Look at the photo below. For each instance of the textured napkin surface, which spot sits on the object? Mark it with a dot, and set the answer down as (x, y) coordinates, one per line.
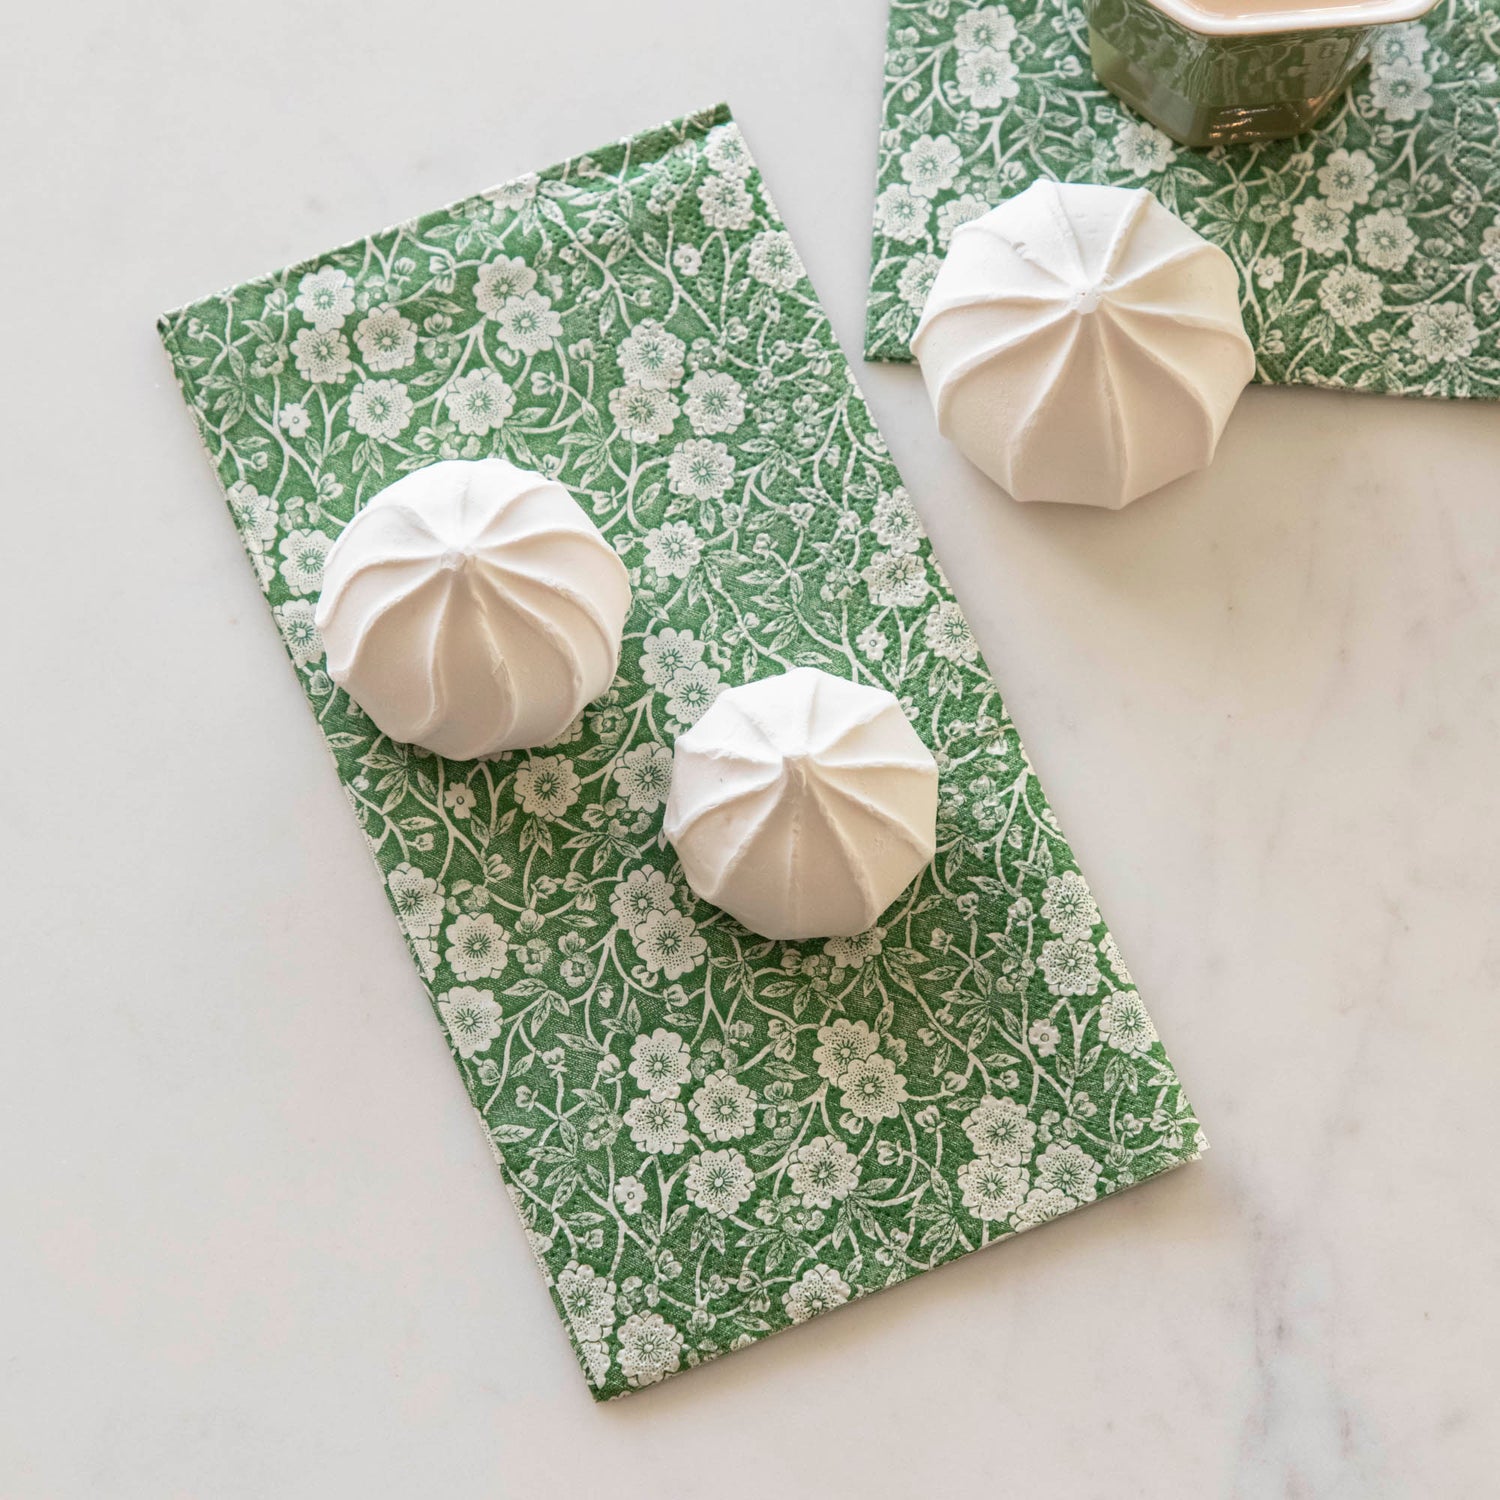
(1368, 249)
(709, 1137)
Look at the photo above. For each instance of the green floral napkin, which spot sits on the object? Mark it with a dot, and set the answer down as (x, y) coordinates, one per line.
(709, 1137)
(1368, 250)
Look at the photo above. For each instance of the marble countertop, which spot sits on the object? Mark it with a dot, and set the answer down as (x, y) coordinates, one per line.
(1266, 705)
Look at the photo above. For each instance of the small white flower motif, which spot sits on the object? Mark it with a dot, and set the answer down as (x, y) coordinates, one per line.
(669, 943)
(1319, 226)
(719, 1182)
(1350, 296)
(1068, 906)
(725, 151)
(948, 635)
(299, 630)
(1066, 1168)
(1270, 270)
(424, 950)
(644, 776)
(1489, 244)
(473, 1019)
(872, 642)
(418, 903)
(930, 164)
(688, 260)
(322, 355)
(700, 469)
(1399, 89)
(816, 1291)
(1001, 1130)
(1068, 966)
(691, 693)
(589, 1300)
(499, 281)
(673, 550)
(873, 1089)
(650, 1349)
(1043, 1037)
(303, 554)
(957, 212)
(660, 1063)
(386, 340)
(1385, 240)
(630, 1194)
(895, 522)
(915, 281)
(715, 402)
(652, 355)
(1124, 1024)
(991, 1190)
(855, 951)
(657, 1126)
(477, 948)
(668, 652)
(479, 402)
(1444, 332)
(1143, 149)
(1400, 44)
(254, 514)
(724, 1106)
(596, 1360)
(774, 261)
(641, 893)
(546, 786)
(293, 419)
(516, 193)
(823, 1171)
(1346, 178)
(1111, 953)
(528, 324)
(643, 413)
(841, 1045)
(459, 800)
(724, 203)
(988, 78)
(380, 409)
(901, 215)
(1041, 1204)
(990, 28)
(897, 579)
(325, 298)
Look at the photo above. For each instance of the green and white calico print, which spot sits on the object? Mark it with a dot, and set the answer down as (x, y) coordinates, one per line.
(709, 1136)
(1368, 251)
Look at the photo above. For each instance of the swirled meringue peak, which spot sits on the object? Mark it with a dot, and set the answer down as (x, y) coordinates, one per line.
(473, 607)
(1081, 344)
(803, 804)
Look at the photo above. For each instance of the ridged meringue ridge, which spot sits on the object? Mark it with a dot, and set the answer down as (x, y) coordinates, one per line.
(1082, 344)
(473, 607)
(803, 804)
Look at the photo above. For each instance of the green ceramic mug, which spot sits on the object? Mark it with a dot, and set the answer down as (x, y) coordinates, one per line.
(1211, 72)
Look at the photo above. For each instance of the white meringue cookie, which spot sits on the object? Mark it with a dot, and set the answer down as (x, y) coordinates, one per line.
(803, 804)
(472, 607)
(1082, 344)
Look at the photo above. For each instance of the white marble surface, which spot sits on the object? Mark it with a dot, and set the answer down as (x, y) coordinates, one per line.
(252, 1244)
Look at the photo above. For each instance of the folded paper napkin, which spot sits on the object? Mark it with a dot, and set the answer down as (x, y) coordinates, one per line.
(709, 1136)
(1368, 249)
